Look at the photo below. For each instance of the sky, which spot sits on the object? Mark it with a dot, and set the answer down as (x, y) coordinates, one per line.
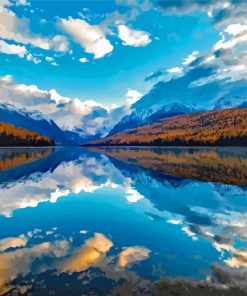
(106, 54)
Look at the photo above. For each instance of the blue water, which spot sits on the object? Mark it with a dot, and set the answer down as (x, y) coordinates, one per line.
(81, 221)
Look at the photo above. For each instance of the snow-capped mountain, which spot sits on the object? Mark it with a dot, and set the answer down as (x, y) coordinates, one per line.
(152, 113)
(78, 136)
(230, 102)
(34, 121)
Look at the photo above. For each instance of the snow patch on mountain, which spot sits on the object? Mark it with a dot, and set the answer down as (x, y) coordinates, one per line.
(230, 102)
(35, 114)
(153, 113)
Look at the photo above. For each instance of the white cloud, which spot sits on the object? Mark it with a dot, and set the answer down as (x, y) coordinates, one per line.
(133, 37)
(83, 60)
(33, 59)
(59, 43)
(237, 34)
(236, 29)
(5, 3)
(69, 113)
(174, 221)
(132, 96)
(91, 38)
(189, 232)
(55, 96)
(190, 58)
(22, 3)
(175, 70)
(49, 59)
(17, 29)
(7, 48)
(21, 95)
(54, 64)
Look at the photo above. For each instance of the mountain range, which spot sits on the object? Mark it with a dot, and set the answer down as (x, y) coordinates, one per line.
(34, 121)
(227, 127)
(151, 108)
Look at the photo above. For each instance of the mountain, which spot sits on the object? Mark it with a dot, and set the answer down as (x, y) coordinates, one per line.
(11, 135)
(208, 128)
(162, 101)
(33, 120)
(230, 102)
(78, 136)
(143, 114)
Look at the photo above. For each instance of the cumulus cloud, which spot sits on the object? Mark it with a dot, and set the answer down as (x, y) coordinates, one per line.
(132, 37)
(237, 35)
(91, 38)
(33, 59)
(56, 97)
(7, 48)
(21, 94)
(87, 116)
(83, 60)
(175, 70)
(17, 29)
(132, 96)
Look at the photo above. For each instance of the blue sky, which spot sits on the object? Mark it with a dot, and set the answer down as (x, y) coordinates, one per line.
(106, 79)
(85, 63)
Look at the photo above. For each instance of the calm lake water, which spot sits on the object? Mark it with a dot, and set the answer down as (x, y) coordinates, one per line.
(114, 221)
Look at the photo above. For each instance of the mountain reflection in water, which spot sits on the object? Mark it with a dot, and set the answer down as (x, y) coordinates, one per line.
(123, 221)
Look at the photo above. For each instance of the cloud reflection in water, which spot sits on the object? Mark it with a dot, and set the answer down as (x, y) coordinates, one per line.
(168, 190)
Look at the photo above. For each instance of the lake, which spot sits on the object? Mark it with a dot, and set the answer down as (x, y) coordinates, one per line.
(123, 221)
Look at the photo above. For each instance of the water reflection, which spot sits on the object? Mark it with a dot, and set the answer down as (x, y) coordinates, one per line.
(214, 165)
(116, 221)
(13, 157)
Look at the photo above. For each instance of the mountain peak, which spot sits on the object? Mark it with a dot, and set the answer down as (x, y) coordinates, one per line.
(145, 114)
(34, 114)
(34, 121)
(230, 102)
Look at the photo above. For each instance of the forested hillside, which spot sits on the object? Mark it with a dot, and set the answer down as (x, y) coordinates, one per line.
(209, 128)
(11, 135)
